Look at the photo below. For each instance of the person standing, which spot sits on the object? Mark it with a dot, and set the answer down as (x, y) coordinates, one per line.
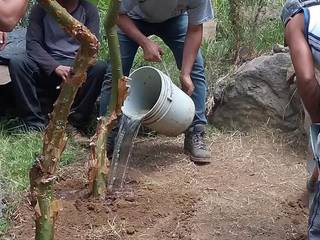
(179, 23)
(302, 35)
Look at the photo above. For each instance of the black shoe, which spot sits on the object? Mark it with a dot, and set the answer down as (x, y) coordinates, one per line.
(20, 126)
(194, 145)
(35, 128)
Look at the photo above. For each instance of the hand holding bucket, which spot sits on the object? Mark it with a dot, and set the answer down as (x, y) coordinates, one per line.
(187, 84)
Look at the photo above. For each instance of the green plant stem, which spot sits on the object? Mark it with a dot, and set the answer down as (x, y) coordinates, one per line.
(98, 164)
(114, 50)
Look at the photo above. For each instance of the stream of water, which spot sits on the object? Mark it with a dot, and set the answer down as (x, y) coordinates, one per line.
(129, 128)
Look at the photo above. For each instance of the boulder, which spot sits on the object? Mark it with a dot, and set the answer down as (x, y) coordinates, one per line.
(258, 93)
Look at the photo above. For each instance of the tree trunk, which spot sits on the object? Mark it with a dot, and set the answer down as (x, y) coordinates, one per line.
(235, 19)
(99, 163)
(43, 172)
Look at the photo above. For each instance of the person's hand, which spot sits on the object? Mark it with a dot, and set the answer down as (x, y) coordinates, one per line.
(186, 84)
(152, 52)
(3, 40)
(63, 72)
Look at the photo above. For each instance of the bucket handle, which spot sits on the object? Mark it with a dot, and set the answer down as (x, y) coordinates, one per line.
(170, 98)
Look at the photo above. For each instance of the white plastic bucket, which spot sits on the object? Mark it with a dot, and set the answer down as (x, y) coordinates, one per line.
(166, 108)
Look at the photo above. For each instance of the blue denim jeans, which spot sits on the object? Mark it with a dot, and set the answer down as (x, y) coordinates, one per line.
(314, 217)
(173, 33)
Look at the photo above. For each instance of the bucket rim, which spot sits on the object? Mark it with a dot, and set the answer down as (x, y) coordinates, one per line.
(154, 116)
(155, 107)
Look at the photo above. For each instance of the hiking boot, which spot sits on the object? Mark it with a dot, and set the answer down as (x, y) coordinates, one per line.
(194, 145)
(77, 136)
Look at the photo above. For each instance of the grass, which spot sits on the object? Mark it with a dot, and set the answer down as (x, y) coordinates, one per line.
(18, 152)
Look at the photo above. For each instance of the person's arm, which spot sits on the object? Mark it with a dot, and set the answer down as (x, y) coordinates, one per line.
(199, 11)
(11, 11)
(190, 51)
(35, 42)
(301, 56)
(152, 51)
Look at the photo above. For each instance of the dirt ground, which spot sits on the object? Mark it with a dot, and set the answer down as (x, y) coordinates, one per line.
(254, 189)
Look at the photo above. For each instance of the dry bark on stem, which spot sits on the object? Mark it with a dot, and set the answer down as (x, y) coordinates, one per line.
(99, 163)
(43, 172)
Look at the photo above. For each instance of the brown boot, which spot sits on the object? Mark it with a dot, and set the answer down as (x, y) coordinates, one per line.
(194, 145)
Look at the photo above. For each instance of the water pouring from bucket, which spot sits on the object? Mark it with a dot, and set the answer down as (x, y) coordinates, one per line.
(166, 108)
(157, 103)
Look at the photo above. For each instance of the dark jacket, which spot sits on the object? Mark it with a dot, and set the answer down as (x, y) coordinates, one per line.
(36, 46)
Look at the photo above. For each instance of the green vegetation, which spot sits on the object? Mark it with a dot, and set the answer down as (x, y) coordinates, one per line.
(257, 29)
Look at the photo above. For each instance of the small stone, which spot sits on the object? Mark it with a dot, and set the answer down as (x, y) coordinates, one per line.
(130, 198)
(291, 204)
(130, 230)
(278, 48)
(90, 207)
(296, 221)
(121, 204)
(78, 204)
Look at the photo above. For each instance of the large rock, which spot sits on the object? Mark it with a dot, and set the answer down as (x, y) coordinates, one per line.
(258, 94)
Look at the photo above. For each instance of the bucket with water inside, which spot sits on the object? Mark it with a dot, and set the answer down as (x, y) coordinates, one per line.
(164, 107)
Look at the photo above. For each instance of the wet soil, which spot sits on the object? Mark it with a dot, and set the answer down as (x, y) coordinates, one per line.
(253, 189)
